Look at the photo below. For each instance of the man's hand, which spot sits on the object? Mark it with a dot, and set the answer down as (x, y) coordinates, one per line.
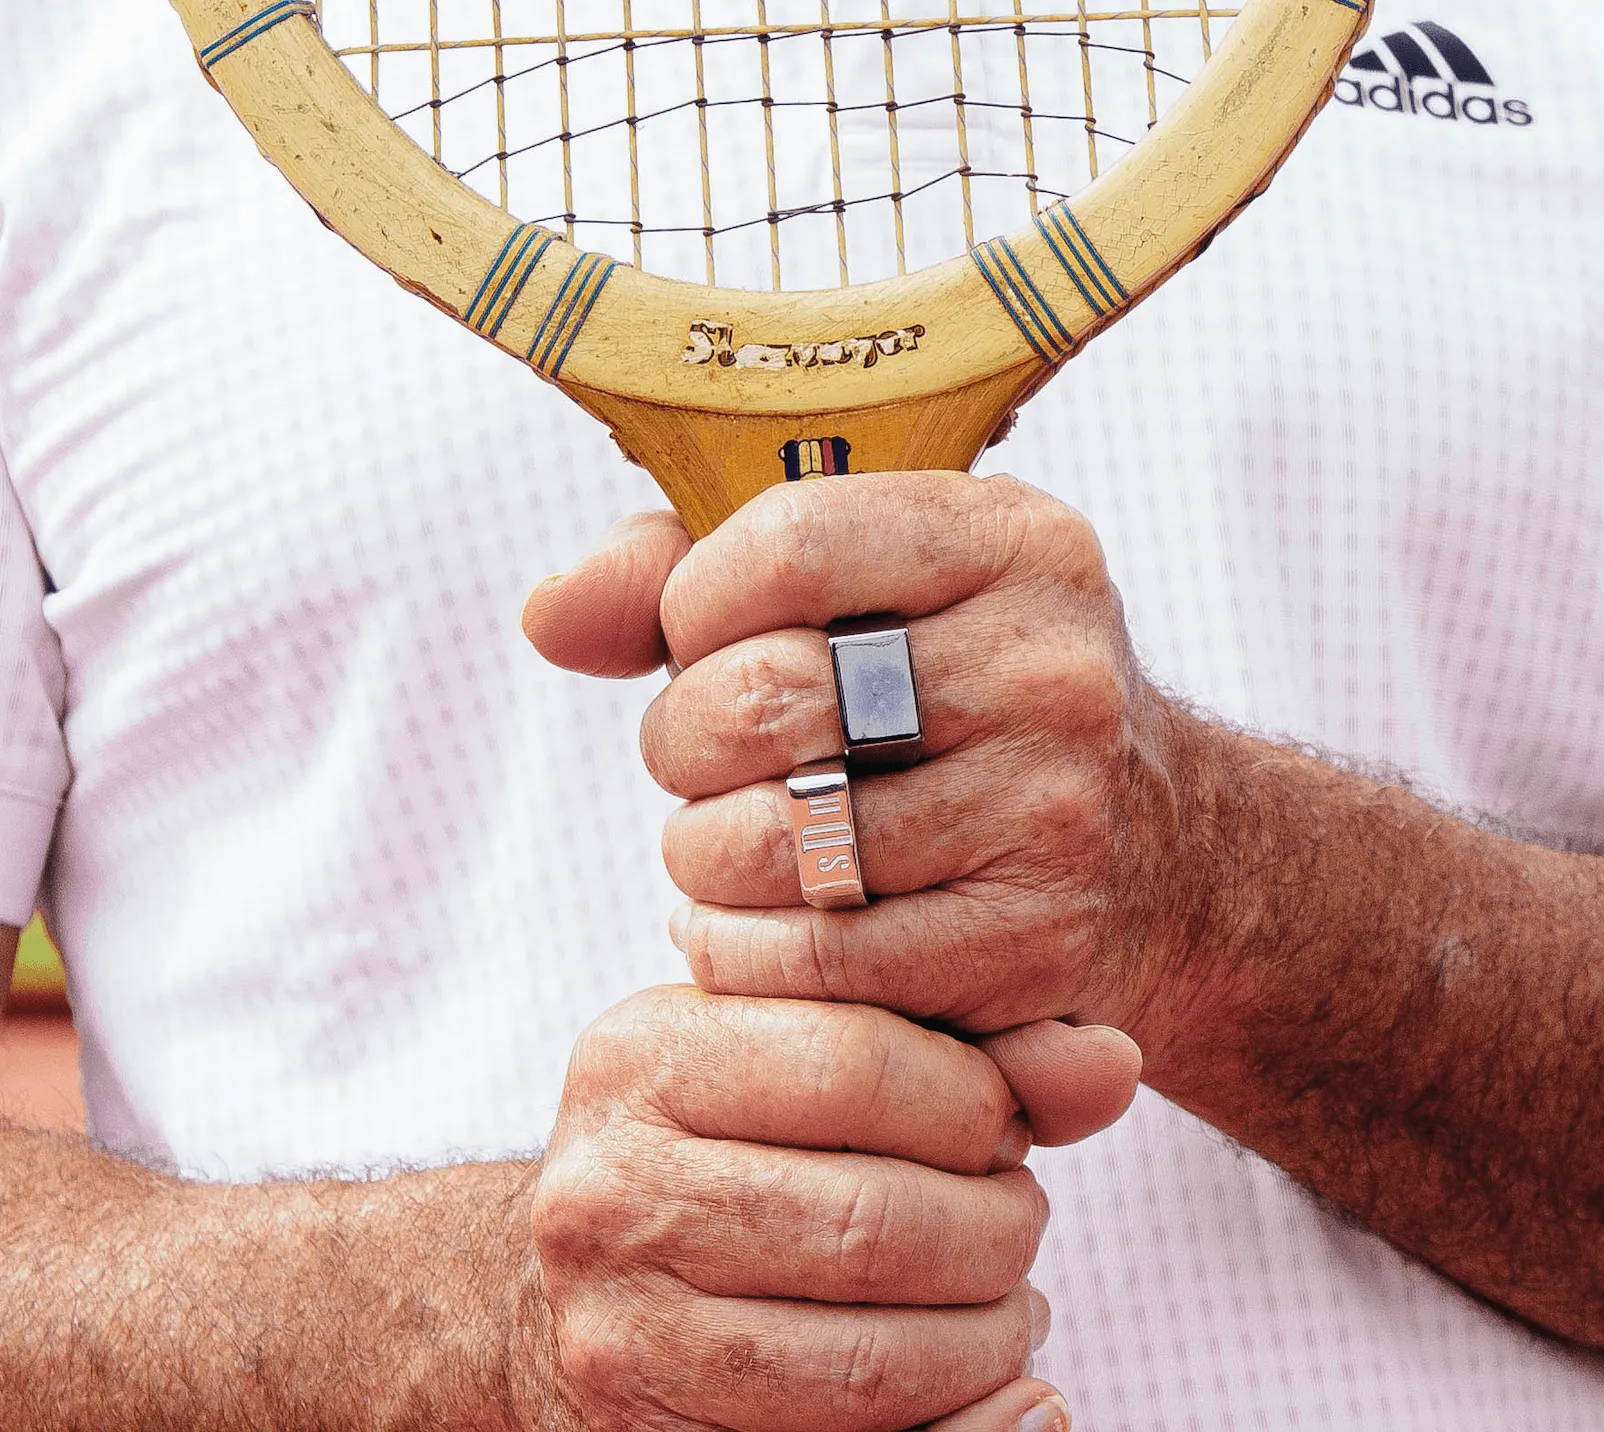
(772, 1216)
(1033, 856)
(1404, 1011)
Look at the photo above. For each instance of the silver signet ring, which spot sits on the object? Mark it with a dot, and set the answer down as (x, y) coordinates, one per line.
(875, 689)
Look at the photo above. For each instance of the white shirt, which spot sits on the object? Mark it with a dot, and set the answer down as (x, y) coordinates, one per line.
(340, 869)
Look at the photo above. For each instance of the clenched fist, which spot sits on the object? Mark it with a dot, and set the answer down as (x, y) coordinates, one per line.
(773, 1216)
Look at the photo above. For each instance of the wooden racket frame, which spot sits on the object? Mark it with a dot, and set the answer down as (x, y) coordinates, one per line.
(706, 386)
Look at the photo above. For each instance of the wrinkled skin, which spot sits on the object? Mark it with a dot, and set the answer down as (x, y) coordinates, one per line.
(773, 1216)
(1028, 870)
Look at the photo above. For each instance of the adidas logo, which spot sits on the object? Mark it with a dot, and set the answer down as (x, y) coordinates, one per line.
(1425, 69)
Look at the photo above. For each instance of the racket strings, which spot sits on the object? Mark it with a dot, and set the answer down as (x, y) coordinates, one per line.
(773, 143)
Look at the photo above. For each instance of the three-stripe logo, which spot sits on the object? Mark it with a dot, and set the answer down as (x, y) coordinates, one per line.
(1426, 69)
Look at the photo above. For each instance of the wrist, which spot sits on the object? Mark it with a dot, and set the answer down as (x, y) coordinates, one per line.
(1191, 901)
(460, 1341)
(395, 1305)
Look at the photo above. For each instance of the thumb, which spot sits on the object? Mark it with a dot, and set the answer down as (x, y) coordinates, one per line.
(602, 617)
(1070, 1081)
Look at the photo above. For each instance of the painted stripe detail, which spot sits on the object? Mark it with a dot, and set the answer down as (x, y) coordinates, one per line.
(525, 247)
(1073, 248)
(259, 24)
(1018, 294)
(569, 310)
(1352, 4)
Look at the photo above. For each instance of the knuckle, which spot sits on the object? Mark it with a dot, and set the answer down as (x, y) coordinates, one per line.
(592, 1052)
(662, 748)
(865, 1370)
(1065, 804)
(1077, 532)
(862, 1230)
(767, 836)
(743, 834)
(742, 1362)
(615, 1034)
(1022, 1228)
(1055, 542)
(586, 1211)
(596, 1339)
(765, 698)
(985, 1252)
(647, 1036)
(1071, 687)
(1101, 701)
(1073, 547)
(815, 961)
(851, 1058)
(1040, 1208)
(783, 533)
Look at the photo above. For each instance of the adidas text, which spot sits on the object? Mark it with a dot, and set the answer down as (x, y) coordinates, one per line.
(1440, 101)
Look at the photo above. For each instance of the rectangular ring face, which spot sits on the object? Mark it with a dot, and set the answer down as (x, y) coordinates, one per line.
(879, 700)
(826, 839)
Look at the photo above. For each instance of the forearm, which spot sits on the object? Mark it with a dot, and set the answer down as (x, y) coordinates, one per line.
(131, 1300)
(1404, 1011)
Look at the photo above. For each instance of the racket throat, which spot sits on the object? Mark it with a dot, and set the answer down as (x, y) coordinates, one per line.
(709, 463)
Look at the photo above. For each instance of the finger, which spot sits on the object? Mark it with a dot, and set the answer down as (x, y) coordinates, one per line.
(757, 709)
(803, 554)
(803, 1367)
(809, 1075)
(1028, 1405)
(936, 823)
(602, 618)
(930, 955)
(1071, 1081)
(843, 1228)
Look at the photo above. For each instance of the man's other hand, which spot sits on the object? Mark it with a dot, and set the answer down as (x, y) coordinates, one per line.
(773, 1216)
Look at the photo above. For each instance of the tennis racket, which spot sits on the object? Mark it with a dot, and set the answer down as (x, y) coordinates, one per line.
(755, 237)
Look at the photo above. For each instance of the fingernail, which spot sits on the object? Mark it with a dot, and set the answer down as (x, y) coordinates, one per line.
(1014, 1146)
(1049, 1416)
(678, 925)
(1041, 1319)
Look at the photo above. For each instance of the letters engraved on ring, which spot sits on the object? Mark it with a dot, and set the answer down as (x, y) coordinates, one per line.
(826, 841)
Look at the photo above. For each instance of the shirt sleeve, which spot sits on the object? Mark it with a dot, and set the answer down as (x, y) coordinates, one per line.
(34, 771)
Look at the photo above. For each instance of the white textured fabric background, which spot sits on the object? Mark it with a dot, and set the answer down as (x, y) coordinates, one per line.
(342, 869)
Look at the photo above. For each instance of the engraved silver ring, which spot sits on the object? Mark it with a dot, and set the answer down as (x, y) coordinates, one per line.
(826, 836)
